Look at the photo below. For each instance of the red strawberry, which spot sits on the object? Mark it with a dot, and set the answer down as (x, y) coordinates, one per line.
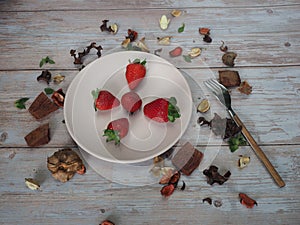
(131, 101)
(162, 110)
(116, 130)
(106, 100)
(135, 72)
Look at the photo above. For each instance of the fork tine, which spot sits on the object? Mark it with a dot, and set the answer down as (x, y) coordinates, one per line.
(211, 86)
(218, 84)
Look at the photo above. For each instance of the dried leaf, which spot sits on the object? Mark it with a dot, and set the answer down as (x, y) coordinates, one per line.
(187, 58)
(228, 58)
(208, 200)
(181, 29)
(78, 58)
(167, 190)
(245, 88)
(164, 40)
(229, 78)
(207, 38)
(48, 91)
(176, 13)
(247, 201)
(106, 222)
(164, 22)
(20, 103)
(218, 203)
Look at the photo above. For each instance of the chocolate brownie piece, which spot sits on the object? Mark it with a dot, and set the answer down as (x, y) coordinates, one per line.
(42, 106)
(187, 159)
(39, 136)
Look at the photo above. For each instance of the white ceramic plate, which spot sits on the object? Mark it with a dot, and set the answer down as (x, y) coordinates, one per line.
(146, 138)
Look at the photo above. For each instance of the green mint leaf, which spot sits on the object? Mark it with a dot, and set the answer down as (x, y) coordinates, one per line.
(181, 29)
(48, 91)
(20, 103)
(46, 60)
(187, 58)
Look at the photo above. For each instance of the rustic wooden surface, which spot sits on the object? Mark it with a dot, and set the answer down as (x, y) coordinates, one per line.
(264, 35)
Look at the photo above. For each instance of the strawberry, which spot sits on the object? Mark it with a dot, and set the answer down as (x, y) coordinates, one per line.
(105, 100)
(131, 101)
(162, 110)
(116, 130)
(135, 72)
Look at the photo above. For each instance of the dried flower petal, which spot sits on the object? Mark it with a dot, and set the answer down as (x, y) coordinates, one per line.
(167, 176)
(204, 31)
(243, 161)
(223, 47)
(114, 28)
(125, 43)
(194, 52)
(78, 58)
(141, 44)
(245, 88)
(45, 76)
(213, 175)
(175, 52)
(58, 97)
(207, 38)
(132, 35)
(247, 201)
(58, 78)
(228, 58)
(32, 184)
(208, 200)
(167, 190)
(106, 222)
(164, 40)
(176, 13)
(164, 22)
(218, 203)
(203, 106)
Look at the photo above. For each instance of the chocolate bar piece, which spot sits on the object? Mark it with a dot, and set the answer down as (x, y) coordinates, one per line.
(39, 136)
(187, 159)
(42, 106)
(229, 78)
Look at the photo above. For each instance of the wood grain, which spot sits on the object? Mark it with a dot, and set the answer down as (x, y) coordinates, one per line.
(264, 34)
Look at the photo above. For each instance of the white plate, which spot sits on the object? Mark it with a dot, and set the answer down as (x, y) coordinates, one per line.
(146, 138)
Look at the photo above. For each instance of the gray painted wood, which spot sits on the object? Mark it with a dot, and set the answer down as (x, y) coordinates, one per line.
(266, 38)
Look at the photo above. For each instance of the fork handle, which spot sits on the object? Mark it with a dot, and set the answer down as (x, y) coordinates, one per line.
(259, 152)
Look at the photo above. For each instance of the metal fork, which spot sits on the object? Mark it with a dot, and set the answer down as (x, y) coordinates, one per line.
(223, 95)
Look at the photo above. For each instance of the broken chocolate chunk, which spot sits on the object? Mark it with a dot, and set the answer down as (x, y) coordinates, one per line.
(187, 159)
(213, 175)
(42, 106)
(228, 58)
(39, 136)
(229, 78)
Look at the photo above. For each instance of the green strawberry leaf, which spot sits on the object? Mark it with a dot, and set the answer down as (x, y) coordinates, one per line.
(20, 103)
(95, 94)
(112, 135)
(173, 110)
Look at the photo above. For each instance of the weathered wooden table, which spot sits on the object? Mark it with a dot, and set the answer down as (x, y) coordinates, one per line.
(264, 35)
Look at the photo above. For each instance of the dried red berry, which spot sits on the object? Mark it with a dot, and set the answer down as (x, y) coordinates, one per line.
(247, 201)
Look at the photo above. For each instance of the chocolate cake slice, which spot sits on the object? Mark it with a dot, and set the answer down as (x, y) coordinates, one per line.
(187, 159)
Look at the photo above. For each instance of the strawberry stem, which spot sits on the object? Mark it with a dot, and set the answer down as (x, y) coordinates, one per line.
(112, 135)
(138, 61)
(173, 110)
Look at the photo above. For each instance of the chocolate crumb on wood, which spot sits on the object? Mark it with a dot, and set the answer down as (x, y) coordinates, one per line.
(39, 136)
(187, 159)
(229, 78)
(42, 106)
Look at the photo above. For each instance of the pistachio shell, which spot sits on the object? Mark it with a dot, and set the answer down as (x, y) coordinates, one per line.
(32, 184)
(114, 28)
(164, 22)
(194, 52)
(203, 106)
(164, 40)
(176, 13)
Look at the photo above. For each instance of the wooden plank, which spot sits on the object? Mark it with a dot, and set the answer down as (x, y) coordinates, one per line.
(91, 198)
(134, 5)
(275, 95)
(262, 45)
